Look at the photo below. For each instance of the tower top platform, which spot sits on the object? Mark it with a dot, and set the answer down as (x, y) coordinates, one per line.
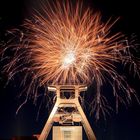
(55, 88)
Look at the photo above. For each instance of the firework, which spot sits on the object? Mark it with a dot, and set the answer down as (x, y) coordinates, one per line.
(66, 44)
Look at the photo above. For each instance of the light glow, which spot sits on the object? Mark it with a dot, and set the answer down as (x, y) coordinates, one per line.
(69, 59)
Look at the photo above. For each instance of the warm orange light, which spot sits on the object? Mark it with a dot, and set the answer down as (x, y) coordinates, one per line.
(66, 44)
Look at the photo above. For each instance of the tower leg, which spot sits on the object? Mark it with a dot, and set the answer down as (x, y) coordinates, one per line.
(85, 123)
(49, 123)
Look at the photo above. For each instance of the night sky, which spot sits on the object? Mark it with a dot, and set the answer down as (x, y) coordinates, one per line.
(122, 126)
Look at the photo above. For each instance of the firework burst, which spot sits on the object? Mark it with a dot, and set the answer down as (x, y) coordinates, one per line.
(68, 44)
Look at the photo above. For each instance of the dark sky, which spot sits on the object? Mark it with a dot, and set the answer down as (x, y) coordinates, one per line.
(122, 126)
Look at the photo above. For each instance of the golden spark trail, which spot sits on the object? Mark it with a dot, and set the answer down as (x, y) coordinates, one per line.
(68, 44)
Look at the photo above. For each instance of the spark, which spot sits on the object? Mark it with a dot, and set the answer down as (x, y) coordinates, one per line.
(66, 44)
